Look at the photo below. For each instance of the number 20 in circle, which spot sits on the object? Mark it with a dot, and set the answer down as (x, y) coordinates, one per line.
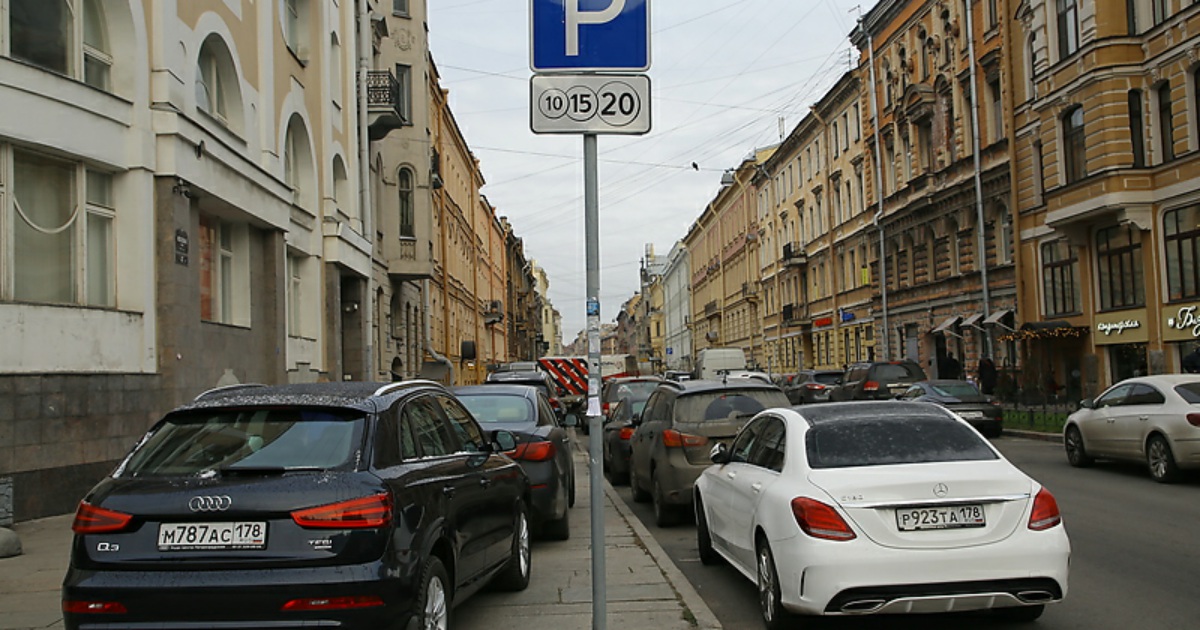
(618, 103)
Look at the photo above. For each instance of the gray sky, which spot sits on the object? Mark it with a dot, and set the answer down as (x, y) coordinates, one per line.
(723, 73)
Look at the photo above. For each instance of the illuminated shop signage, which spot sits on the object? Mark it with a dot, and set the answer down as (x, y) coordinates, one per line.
(1185, 319)
(823, 321)
(1109, 328)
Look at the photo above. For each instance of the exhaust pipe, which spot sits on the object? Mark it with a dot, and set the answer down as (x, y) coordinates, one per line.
(861, 606)
(1035, 597)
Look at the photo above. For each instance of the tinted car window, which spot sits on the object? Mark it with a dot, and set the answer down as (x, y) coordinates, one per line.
(893, 440)
(429, 430)
(1190, 392)
(768, 450)
(1144, 395)
(898, 372)
(469, 435)
(188, 443)
(743, 444)
(828, 379)
(387, 439)
(1115, 396)
(955, 390)
(488, 408)
(728, 404)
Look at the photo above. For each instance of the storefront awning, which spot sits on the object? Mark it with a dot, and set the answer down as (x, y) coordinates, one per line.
(946, 325)
(972, 321)
(994, 318)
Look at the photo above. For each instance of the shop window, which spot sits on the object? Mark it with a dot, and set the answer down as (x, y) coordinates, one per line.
(1181, 229)
(1119, 263)
(1060, 278)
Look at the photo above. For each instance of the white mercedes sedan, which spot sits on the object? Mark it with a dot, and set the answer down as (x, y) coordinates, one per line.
(879, 508)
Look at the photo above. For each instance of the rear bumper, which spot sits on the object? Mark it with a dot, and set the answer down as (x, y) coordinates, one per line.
(547, 494)
(254, 598)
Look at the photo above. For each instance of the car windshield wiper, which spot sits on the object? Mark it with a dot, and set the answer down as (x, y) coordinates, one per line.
(265, 471)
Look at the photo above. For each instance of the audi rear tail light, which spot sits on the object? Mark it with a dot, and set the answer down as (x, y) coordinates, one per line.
(1194, 419)
(626, 433)
(334, 603)
(534, 451)
(870, 386)
(93, 519)
(360, 513)
(81, 607)
(814, 386)
(820, 520)
(1045, 511)
(674, 439)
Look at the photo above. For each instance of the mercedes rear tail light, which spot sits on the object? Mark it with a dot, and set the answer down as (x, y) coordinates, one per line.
(1045, 511)
(540, 451)
(674, 439)
(360, 513)
(93, 519)
(820, 520)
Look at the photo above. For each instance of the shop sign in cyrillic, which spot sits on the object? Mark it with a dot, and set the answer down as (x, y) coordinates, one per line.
(1183, 324)
(1121, 327)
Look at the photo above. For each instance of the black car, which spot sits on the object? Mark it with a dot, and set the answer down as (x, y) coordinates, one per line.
(878, 380)
(811, 386)
(964, 399)
(347, 505)
(618, 430)
(533, 378)
(543, 448)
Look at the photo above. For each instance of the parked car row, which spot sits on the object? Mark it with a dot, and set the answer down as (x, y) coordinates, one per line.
(355, 505)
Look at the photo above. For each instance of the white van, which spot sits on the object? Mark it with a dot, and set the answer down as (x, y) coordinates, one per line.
(711, 361)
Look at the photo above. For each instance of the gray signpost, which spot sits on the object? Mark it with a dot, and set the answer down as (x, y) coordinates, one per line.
(578, 56)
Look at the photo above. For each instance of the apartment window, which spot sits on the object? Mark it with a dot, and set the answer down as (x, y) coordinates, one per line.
(210, 87)
(1182, 236)
(297, 164)
(1068, 27)
(335, 69)
(1006, 237)
(216, 270)
(1166, 125)
(1136, 129)
(925, 145)
(405, 184)
(1161, 10)
(1119, 262)
(295, 27)
(1131, 16)
(97, 56)
(40, 33)
(993, 13)
(295, 296)
(997, 112)
(1039, 183)
(846, 131)
(400, 7)
(837, 146)
(1074, 149)
(101, 212)
(404, 100)
(1060, 278)
(857, 124)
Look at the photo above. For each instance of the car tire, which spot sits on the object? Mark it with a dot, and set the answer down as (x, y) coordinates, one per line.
(635, 486)
(664, 515)
(1020, 614)
(515, 575)
(433, 600)
(770, 602)
(1077, 454)
(708, 555)
(1160, 460)
(559, 528)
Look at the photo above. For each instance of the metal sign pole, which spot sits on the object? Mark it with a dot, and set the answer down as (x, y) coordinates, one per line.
(591, 220)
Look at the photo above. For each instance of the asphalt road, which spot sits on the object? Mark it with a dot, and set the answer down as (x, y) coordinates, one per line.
(1135, 554)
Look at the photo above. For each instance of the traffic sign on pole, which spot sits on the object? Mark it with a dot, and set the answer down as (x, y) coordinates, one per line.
(589, 35)
(590, 103)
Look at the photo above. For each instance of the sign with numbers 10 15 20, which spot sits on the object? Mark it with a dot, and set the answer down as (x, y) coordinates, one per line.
(600, 104)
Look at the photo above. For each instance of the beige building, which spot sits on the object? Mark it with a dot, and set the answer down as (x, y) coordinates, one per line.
(1107, 189)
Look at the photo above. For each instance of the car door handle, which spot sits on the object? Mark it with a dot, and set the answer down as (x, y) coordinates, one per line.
(485, 482)
(756, 487)
(448, 491)
(731, 474)
(1143, 418)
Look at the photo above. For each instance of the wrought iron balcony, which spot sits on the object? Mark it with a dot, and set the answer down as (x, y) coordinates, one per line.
(385, 109)
(750, 291)
(794, 255)
(795, 315)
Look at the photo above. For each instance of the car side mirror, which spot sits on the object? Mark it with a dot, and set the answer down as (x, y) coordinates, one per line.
(1087, 403)
(571, 421)
(503, 441)
(719, 453)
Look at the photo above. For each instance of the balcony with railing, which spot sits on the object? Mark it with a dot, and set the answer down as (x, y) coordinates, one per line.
(795, 315)
(750, 291)
(386, 109)
(711, 309)
(794, 255)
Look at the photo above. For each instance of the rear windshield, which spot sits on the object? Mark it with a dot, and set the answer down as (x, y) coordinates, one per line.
(898, 372)
(489, 408)
(254, 439)
(1190, 392)
(728, 404)
(637, 390)
(880, 441)
(955, 390)
(828, 379)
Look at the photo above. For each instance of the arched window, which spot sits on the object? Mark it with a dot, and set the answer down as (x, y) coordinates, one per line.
(1074, 147)
(297, 164)
(341, 186)
(404, 182)
(217, 91)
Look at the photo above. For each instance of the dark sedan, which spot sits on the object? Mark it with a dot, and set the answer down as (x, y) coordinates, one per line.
(964, 399)
(347, 505)
(543, 448)
(618, 429)
(811, 386)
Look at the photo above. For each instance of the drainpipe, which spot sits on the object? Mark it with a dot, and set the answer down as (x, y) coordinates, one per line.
(364, 184)
(982, 238)
(886, 337)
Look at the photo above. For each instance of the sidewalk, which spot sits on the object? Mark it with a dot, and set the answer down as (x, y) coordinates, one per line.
(644, 588)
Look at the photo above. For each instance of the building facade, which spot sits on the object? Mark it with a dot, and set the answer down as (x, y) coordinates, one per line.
(677, 309)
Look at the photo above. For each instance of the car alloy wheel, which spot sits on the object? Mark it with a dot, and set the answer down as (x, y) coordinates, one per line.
(768, 588)
(515, 576)
(1161, 461)
(1077, 455)
(703, 539)
(663, 515)
(435, 606)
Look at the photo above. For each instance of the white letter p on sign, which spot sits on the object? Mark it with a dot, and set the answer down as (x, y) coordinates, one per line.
(576, 16)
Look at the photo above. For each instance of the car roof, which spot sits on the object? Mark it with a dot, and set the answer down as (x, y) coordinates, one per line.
(361, 395)
(495, 388)
(697, 386)
(866, 409)
(1169, 380)
(524, 375)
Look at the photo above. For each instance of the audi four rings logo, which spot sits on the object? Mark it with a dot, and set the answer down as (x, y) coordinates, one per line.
(940, 490)
(210, 504)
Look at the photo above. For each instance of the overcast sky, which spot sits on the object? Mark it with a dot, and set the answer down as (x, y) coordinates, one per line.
(723, 72)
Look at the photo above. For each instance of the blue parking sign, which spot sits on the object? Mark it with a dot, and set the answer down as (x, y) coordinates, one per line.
(589, 35)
